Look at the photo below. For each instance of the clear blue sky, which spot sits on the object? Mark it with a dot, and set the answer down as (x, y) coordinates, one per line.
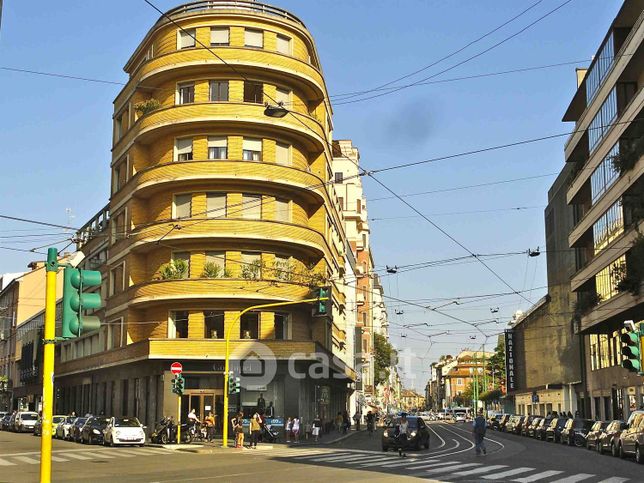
(56, 133)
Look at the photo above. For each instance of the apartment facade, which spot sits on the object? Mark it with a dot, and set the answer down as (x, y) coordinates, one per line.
(606, 192)
(461, 372)
(216, 207)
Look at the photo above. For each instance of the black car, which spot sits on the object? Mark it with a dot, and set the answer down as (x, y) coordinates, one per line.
(503, 422)
(575, 431)
(553, 433)
(417, 434)
(530, 429)
(540, 429)
(609, 440)
(527, 422)
(595, 434)
(75, 430)
(92, 432)
(493, 422)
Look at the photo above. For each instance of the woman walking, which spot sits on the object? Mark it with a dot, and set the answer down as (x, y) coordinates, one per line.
(255, 428)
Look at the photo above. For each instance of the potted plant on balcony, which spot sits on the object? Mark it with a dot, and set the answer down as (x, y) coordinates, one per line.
(147, 106)
(584, 304)
(631, 273)
(252, 271)
(630, 151)
(213, 270)
(174, 270)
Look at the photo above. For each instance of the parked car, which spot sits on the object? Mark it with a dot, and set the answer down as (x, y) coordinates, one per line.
(575, 432)
(54, 423)
(418, 434)
(4, 422)
(62, 430)
(526, 424)
(595, 433)
(631, 441)
(530, 429)
(92, 432)
(76, 428)
(494, 420)
(514, 424)
(540, 429)
(131, 431)
(609, 440)
(25, 421)
(553, 433)
(504, 422)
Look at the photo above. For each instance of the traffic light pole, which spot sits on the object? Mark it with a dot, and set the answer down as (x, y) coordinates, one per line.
(178, 418)
(227, 355)
(51, 268)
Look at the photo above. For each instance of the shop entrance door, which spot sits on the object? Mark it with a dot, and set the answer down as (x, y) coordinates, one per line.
(203, 401)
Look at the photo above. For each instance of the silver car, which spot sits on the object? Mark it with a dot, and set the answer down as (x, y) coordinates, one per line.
(25, 421)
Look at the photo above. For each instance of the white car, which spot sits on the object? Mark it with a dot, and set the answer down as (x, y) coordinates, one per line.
(25, 421)
(124, 431)
(460, 418)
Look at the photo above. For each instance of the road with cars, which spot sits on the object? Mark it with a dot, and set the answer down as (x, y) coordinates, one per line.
(359, 457)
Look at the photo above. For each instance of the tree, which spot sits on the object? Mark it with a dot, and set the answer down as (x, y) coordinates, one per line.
(468, 394)
(384, 357)
(496, 365)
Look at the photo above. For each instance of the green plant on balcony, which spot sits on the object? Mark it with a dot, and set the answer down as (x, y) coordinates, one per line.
(213, 270)
(585, 303)
(630, 151)
(253, 270)
(147, 106)
(174, 270)
(283, 270)
(630, 274)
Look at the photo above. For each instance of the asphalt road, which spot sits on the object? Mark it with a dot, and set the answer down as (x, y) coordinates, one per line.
(359, 458)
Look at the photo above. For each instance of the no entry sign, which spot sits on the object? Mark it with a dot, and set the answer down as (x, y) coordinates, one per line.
(176, 368)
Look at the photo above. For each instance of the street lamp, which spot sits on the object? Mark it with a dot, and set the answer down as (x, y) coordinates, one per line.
(275, 111)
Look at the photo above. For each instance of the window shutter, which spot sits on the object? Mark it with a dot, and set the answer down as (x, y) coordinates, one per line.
(217, 141)
(219, 36)
(254, 38)
(216, 205)
(282, 211)
(184, 145)
(283, 154)
(186, 38)
(252, 207)
(283, 44)
(182, 205)
(252, 145)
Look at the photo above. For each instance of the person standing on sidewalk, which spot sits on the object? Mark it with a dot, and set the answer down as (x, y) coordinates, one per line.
(288, 428)
(317, 427)
(296, 429)
(338, 422)
(210, 426)
(238, 429)
(346, 422)
(255, 428)
(479, 427)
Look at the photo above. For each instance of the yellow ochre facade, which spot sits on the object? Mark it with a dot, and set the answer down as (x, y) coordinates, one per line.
(216, 207)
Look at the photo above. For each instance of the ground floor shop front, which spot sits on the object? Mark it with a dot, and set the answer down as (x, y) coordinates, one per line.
(546, 399)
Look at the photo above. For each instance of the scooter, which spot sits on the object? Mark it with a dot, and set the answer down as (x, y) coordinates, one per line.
(165, 432)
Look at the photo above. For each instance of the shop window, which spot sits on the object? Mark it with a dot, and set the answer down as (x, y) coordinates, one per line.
(249, 326)
(214, 324)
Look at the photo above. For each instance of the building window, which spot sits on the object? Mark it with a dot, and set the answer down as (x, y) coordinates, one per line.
(218, 91)
(216, 262)
(217, 147)
(119, 176)
(282, 210)
(283, 154)
(459, 382)
(594, 352)
(607, 279)
(183, 149)
(117, 279)
(214, 324)
(254, 38)
(215, 205)
(598, 71)
(283, 96)
(178, 325)
(186, 38)
(251, 206)
(251, 266)
(119, 226)
(608, 227)
(602, 121)
(339, 177)
(253, 92)
(341, 202)
(186, 93)
(219, 36)
(252, 150)
(281, 326)
(185, 257)
(283, 44)
(249, 326)
(604, 175)
(182, 206)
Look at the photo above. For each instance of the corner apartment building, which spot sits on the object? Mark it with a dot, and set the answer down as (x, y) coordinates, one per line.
(460, 372)
(214, 208)
(606, 192)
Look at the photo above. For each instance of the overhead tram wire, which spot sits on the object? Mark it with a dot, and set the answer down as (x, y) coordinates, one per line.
(479, 54)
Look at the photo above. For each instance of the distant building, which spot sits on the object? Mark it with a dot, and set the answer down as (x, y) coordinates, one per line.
(411, 400)
(461, 372)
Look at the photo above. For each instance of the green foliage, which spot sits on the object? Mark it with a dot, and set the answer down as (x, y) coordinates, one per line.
(631, 273)
(630, 151)
(468, 394)
(147, 106)
(495, 365)
(384, 357)
(253, 270)
(213, 270)
(174, 270)
(585, 302)
(492, 395)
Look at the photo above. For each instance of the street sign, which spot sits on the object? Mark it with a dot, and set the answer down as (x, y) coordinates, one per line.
(176, 368)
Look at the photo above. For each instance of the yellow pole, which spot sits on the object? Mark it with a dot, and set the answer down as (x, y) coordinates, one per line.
(227, 356)
(179, 419)
(48, 364)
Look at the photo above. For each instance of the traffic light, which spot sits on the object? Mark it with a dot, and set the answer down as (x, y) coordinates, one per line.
(631, 349)
(75, 282)
(178, 384)
(324, 301)
(234, 384)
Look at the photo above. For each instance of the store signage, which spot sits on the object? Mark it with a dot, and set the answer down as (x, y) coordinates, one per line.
(510, 360)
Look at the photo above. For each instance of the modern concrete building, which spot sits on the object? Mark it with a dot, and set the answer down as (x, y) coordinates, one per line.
(215, 207)
(606, 191)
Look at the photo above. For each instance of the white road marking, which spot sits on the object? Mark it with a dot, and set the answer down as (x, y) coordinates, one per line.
(6, 463)
(27, 459)
(614, 479)
(505, 474)
(447, 469)
(432, 465)
(104, 454)
(438, 436)
(538, 476)
(407, 462)
(58, 459)
(393, 461)
(574, 478)
(331, 458)
(485, 469)
(77, 456)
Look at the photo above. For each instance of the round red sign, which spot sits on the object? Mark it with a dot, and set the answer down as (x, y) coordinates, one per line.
(176, 368)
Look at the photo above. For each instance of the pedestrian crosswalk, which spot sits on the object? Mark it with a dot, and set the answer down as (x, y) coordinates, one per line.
(33, 458)
(434, 467)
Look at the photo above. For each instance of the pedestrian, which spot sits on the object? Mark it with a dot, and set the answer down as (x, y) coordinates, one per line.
(317, 427)
(356, 419)
(478, 431)
(402, 434)
(338, 422)
(296, 429)
(288, 428)
(254, 430)
(346, 422)
(238, 429)
(307, 430)
(210, 427)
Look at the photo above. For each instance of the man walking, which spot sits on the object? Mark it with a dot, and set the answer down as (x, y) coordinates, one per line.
(479, 433)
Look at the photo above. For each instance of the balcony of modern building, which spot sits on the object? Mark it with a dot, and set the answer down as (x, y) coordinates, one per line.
(618, 60)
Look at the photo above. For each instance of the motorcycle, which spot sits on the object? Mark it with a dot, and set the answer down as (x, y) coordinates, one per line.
(165, 432)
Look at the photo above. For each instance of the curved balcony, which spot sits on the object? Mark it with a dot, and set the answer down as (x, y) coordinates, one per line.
(199, 230)
(208, 290)
(200, 60)
(199, 116)
(157, 178)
